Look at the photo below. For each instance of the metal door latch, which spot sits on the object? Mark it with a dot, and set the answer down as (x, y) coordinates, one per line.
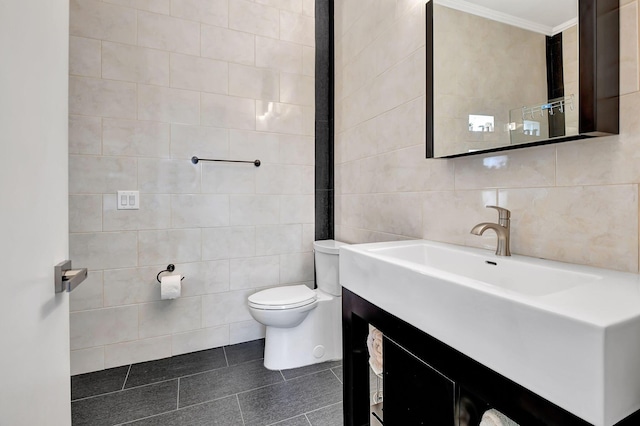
(66, 279)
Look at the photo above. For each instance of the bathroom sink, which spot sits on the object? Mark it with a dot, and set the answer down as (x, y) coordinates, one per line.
(515, 275)
(569, 333)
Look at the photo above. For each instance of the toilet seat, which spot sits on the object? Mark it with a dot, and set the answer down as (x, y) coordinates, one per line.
(280, 298)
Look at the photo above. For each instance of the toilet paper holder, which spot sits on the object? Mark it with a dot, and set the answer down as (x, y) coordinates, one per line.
(170, 268)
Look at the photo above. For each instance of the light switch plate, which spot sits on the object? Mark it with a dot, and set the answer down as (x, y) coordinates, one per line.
(128, 200)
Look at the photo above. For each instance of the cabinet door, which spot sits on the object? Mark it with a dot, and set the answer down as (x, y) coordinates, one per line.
(414, 393)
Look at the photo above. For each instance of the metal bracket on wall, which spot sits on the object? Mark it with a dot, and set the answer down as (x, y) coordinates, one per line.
(66, 279)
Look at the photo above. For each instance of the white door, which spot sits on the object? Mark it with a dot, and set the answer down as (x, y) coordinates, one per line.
(34, 322)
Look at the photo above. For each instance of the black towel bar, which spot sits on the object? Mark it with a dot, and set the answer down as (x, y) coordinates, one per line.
(195, 160)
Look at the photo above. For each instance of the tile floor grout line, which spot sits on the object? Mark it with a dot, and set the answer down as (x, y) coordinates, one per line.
(195, 374)
(288, 418)
(126, 377)
(219, 368)
(238, 393)
(225, 356)
(314, 372)
(240, 408)
(308, 421)
(145, 418)
(121, 390)
(322, 408)
(334, 373)
(178, 396)
(173, 411)
(279, 383)
(240, 366)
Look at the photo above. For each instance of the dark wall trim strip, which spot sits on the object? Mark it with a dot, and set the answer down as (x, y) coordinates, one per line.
(324, 126)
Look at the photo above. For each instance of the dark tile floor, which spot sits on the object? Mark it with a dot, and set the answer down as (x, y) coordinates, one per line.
(222, 386)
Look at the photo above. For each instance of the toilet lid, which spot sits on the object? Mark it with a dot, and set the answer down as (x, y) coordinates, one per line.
(282, 297)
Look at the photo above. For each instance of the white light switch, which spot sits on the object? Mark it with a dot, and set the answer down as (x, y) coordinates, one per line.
(128, 200)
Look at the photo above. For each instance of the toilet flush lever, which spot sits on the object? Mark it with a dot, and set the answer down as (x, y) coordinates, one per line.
(66, 279)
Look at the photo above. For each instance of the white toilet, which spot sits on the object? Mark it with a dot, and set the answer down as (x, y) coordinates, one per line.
(304, 326)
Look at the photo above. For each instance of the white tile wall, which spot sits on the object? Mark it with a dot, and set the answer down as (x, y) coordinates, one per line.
(159, 6)
(103, 21)
(85, 213)
(136, 64)
(228, 111)
(225, 308)
(85, 135)
(168, 33)
(104, 98)
(254, 272)
(87, 360)
(280, 55)
(84, 57)
(137, 351)
(214, 12)
(199, 210)
(254, 209)
(279, 117)
(133, 138)
(104, 250)
(170, 316)
(103, 326)
(201, 74)
(228, 242)
(179, 245)
(206, 142)
(168, 105)
(153, 83)
(201, 339)
(89, 295)
(254, 18)
(245, 331)
(228, 45)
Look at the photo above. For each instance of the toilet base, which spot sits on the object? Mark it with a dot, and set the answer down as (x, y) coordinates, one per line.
(317, 339)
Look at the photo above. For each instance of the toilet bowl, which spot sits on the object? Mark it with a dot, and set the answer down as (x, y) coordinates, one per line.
(303, 326)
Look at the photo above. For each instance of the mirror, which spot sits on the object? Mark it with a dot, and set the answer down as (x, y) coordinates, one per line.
(503, 74)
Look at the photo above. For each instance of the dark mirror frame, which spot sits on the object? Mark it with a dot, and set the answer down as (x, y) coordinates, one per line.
(599, 76)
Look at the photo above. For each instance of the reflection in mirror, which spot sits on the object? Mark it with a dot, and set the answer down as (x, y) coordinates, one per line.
(491, 58)
(517, 66)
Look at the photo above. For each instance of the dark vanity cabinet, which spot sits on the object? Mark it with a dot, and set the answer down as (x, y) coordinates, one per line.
(415, 393)
(427, 382)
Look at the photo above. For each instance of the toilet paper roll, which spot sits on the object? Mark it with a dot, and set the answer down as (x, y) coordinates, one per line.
(170, 286)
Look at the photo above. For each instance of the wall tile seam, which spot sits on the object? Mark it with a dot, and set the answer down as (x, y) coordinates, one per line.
(380, 232)
(391, 151)
(91, 347)
(369, 118)
(115, 4)
(380, 31)
(112, 308)
(361, 83)
(255, 35)
(638, 225)
(551, 187)
(200, 92)
(380, 113)
(498, 189)
(94, 155)
(336, 13)
(206, 24)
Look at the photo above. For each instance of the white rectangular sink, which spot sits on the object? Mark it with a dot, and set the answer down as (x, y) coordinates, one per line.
(569, 333)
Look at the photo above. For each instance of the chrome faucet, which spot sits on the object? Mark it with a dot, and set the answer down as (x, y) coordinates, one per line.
(502, 228)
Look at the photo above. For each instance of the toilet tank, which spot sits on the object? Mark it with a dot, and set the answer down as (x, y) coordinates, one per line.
(327, 275)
